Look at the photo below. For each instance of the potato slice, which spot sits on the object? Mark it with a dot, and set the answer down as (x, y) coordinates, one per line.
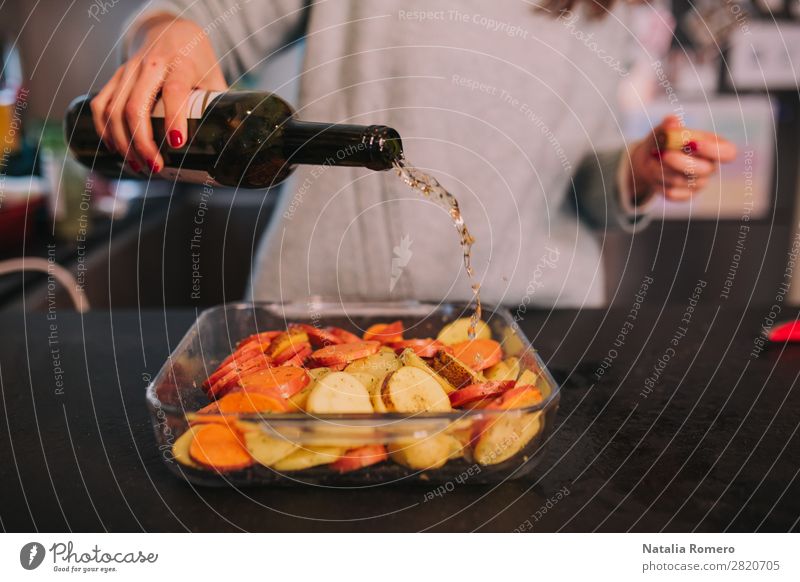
(180, 448)
(373, 385)
(317, 373)
(430, 453)
(508, 369)
(506, 436)
(410, 358)
(265, 449)
(454, 370)
(410, 389)
(379, 364)
(338, 392)
(527, 378)
(458, 331)
(306, 457)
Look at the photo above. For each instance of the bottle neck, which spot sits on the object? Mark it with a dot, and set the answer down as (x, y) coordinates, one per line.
(371, 146)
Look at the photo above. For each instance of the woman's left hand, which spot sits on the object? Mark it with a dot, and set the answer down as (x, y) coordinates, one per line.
(677, 175)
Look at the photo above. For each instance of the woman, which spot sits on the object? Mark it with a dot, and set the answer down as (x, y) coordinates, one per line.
(510, 106)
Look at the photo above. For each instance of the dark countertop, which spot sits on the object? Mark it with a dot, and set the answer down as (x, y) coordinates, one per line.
(713, 447)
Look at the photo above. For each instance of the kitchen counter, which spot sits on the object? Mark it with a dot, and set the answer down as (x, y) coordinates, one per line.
(690, 426)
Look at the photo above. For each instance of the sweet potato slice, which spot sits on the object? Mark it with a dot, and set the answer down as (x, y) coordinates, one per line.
(385, 333)
(344, 353)
(454, 370)
(478, 354)
(474, 392)
(219, 447)
(283, 381)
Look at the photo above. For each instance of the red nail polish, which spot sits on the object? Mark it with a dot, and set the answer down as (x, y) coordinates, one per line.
(136, 167)
(655, 153)
(691, 146)
(175, 138)
(154, 167)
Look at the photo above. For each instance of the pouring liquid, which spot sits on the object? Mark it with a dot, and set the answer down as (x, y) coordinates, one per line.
(430, 188)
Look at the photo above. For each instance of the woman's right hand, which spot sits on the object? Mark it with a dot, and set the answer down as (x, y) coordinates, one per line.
(174, 58)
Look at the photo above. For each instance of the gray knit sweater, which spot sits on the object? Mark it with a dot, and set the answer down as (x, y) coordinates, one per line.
(511, 109)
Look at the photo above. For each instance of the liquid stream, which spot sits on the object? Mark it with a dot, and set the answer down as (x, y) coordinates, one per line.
(430, 188)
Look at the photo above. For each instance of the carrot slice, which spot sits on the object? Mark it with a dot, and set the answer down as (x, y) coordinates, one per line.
(385, 332)
(265, 337)
(424, 348)
(224, 384)
(236, 361)
(219, 447)
(299, 358)
(283, 381)
(517, 397)
(345, 336)
(474, 392)
(344, 353)
(290, 353)
(360, 457)
(249, 403)
(478, 354)
(319, 337)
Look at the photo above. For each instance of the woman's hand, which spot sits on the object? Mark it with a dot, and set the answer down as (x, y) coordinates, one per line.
(678, 175)
(174, 57)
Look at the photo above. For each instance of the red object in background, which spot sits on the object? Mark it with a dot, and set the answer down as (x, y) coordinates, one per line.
(17, 221)
(785, 332)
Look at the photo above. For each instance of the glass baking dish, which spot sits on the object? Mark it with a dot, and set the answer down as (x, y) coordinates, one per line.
(176, 393)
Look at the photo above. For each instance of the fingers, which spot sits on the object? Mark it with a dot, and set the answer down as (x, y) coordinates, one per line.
(98, 106)
(175, 96)
(671, 122)
(687, 164)
(716, 148)
(678, 194)
(140, 105)
(115, 115)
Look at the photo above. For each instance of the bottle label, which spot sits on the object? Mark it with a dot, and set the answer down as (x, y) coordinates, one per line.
(197, 102)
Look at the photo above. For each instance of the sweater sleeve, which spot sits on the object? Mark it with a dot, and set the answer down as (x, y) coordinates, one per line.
(242, 32)
(601, 193)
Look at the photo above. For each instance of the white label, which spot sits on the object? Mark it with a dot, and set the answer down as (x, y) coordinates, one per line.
(196, 104)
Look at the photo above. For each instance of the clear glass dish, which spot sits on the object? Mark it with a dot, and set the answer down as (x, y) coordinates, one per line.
(176, 393)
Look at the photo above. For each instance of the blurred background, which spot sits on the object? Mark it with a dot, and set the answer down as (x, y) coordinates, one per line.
(730, 64)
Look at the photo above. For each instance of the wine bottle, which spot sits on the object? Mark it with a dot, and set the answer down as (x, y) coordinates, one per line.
(241, 139)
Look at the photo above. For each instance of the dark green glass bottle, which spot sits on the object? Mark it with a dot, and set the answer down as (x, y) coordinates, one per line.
(240, 139)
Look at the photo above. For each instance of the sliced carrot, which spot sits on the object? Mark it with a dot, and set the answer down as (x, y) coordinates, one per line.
(385, 333)
(319, 337)
(360, 457)
(424, 348)
(344, 353)
(265, 337)
(219, 447)
(290, 353)
(224, 384)
(299, 358)
(287, 341)
(236, 361)
(517, 397)
(478, 354)
(345, 336)
(283, 381)
(474, 392)
(249, 403)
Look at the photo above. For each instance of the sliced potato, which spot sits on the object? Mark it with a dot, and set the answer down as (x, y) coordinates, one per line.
(508, 369)
(527, 378)
(368, 380)
(338, 392)
(180, 448)
(410, 358)
(378, 365)
(410, 389)
(454, 370)
(373, 385)
(430, 453)
(266, 449)
(317, 373)
(505, 436)
(458, 331)
(306, 457)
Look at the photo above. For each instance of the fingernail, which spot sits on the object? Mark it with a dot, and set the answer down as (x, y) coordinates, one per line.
(154, 167)
(690, 147)
(655, 153)
(136, 167)
(175, 138)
